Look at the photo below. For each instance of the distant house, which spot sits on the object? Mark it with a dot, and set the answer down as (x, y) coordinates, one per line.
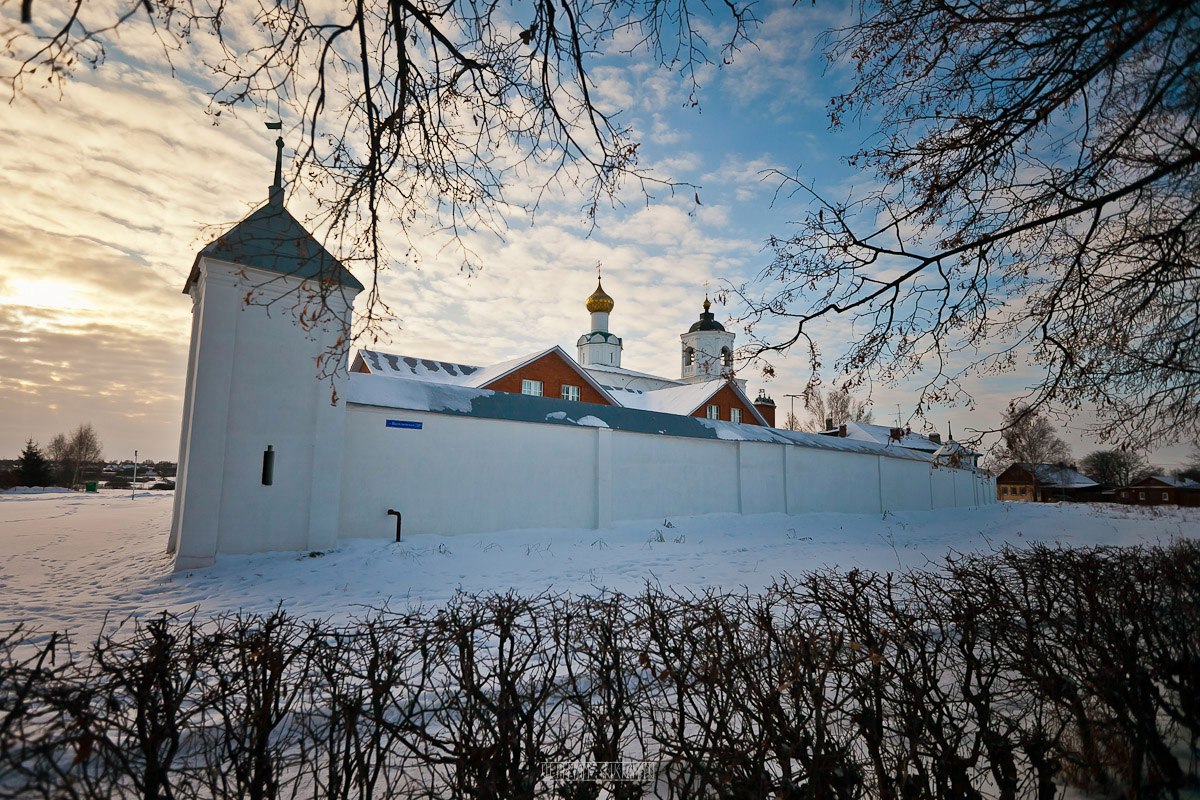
(1160, 490)
(903, 437)
(1044, 483)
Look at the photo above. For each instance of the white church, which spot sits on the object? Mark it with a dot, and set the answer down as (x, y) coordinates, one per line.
(274, 456)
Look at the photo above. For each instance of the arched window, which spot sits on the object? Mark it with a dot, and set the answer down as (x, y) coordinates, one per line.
(726, 357)
(689, 356)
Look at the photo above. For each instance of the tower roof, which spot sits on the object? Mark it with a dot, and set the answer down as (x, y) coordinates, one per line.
(271, 239)
(707, 322)
(599, 300)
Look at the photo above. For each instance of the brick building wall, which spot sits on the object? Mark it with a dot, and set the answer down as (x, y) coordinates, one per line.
(553, 372)
(727, 399)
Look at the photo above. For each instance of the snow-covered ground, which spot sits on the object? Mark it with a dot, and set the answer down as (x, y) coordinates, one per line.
(68, 562)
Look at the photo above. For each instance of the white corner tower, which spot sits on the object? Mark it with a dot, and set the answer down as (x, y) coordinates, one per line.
(707, 352)
(261, 447)
(599, 346)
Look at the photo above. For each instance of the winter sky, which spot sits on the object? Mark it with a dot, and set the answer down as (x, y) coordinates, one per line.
(110, 187)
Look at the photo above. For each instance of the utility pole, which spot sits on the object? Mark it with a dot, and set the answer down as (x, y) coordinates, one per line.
(133, 486)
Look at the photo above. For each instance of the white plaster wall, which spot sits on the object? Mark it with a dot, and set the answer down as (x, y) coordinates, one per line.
(827, 480)
(905, 484)
(762, 477)
(942, 487)
(656, 476)
(255, 383)
(463, 474)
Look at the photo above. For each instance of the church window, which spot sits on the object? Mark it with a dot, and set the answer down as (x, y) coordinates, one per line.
(689, 356)
(714, 412)
(735, 415)
(531, 387)
(570, 392)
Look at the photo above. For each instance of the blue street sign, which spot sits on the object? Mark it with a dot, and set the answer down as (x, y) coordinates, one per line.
(404, 423)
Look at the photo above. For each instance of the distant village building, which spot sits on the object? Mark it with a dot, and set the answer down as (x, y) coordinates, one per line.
(275, 457)
(1160, 490)
(1043, 483)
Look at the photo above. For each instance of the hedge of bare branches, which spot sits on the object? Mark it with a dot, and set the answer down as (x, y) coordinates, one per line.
(1004, 675)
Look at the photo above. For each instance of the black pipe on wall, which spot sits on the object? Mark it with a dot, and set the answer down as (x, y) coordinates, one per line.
(268, 473)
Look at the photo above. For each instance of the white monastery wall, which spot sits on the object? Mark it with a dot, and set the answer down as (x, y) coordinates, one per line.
(463, 474)
(942, 487)
(905, 484)
(663, 476)
(763, 479)
(826, 480)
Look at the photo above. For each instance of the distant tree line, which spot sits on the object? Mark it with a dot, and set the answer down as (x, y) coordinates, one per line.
(1028, 436)
(1006, 675)
(62, 462)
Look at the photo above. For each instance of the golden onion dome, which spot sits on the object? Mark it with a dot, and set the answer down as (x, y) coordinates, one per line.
(599, 300)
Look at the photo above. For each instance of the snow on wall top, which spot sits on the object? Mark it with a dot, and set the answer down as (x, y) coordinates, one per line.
(409, 393)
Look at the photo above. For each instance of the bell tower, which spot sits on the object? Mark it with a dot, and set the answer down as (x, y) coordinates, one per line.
(707, 352)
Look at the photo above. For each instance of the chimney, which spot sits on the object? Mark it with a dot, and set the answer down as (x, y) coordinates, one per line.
(829, 423)
(765, 406)
(936, 438)
(842, 430)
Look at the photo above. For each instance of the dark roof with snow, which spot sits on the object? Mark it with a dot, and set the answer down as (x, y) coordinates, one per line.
(1049, 475)
(271, 239)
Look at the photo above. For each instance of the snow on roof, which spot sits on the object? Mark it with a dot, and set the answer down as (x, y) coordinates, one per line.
(881, 434)
(495, 371)
(672, 400)
(683, 399)
(425, 369)
(629, 373)
(1059, 477)
(1178, 483)
(394, 391)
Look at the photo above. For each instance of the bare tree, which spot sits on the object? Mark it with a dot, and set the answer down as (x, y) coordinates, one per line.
(835, 406)
(1115, 467)
(72, 452)
(406, 109)
(1038, 191)
(1191, 470)
(1028, 438)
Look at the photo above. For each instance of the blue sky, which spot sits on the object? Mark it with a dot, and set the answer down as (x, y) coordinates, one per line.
(111, 188)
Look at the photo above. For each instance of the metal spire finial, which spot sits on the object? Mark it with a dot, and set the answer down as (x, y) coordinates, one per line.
(276, 191)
